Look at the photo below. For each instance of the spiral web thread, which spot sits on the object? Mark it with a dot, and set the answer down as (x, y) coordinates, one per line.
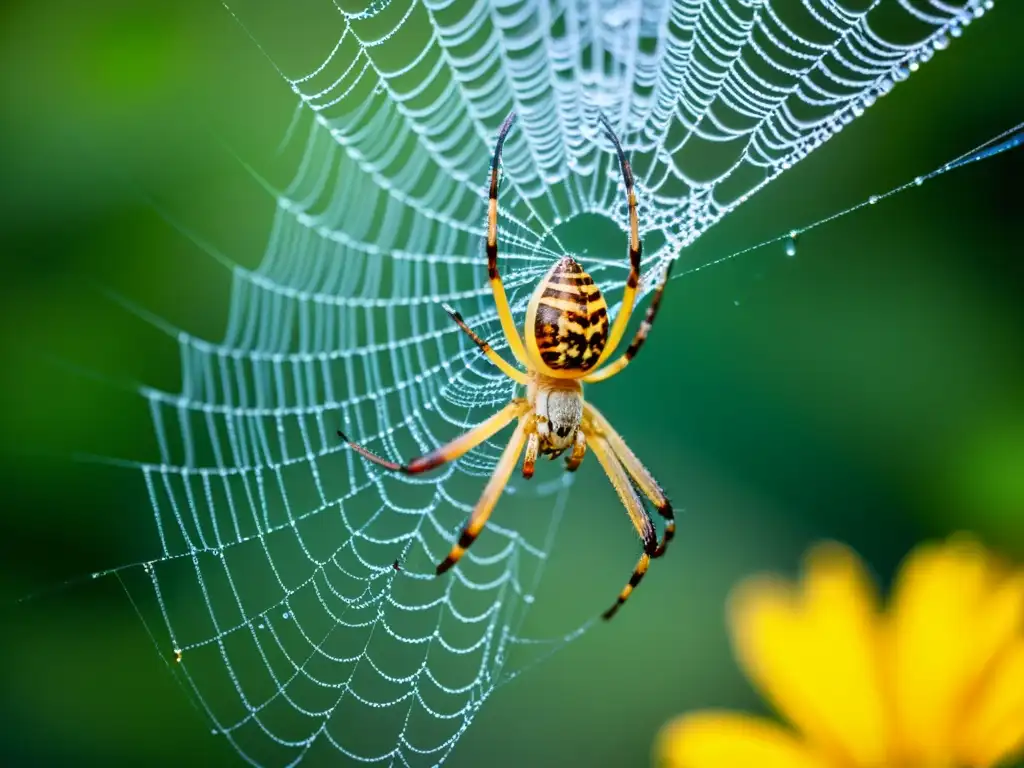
(296, 581)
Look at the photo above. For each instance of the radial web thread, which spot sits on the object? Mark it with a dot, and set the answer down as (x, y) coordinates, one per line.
(296, 581)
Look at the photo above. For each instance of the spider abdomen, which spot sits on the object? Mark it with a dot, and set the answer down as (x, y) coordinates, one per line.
(566, 322)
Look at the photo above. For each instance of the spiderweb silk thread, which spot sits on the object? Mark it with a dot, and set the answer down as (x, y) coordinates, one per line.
(295, 583)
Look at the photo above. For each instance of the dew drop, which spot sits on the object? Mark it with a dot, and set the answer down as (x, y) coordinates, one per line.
(955, 31)
(619, 17)
(286, 615)
(873, 199)
(940, 43)
(428, 406)
(791, 247)
(919, 180)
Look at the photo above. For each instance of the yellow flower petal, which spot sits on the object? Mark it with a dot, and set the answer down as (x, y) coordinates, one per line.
(816, 654)
(728, 740)
(994, 726)
(953, 611)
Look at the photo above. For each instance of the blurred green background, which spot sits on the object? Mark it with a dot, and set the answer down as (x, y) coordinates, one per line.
(871, 389)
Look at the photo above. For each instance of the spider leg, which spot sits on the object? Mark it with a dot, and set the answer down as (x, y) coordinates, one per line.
(508, 325)
(530, 459)
(482, 510)
(494, 357)
(451, 450)
(637, 514)
(633, 280)
(579, 448)
(644, 479)
(641, 334)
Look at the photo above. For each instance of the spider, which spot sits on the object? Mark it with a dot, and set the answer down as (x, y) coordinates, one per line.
(565, 343)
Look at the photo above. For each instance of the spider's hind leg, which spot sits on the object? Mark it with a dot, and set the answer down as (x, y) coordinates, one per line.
(508, 325)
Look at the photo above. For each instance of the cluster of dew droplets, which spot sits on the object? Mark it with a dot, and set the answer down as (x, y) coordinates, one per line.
(884, 85)
(898, 73)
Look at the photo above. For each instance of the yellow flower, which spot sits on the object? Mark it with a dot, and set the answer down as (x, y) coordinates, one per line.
(935, 681)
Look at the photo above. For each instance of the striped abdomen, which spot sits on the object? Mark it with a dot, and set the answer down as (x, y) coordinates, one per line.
(566, 322)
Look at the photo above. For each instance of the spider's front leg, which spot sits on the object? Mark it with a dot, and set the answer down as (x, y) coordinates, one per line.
(579, 449)
(451, 450)
(637, 515)
(532, 449)
(492, 491)
(532, 444)
(644, 480)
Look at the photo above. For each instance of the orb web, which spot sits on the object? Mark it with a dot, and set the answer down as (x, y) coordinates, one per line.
(295, 582)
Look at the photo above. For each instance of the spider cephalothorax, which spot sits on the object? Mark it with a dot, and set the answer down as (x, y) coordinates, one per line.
(557, 412)
(566, 340)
